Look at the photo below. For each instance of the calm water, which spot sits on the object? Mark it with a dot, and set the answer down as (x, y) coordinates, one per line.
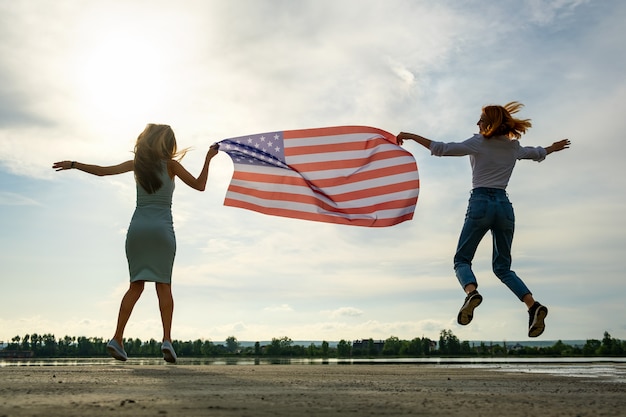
(603, 369)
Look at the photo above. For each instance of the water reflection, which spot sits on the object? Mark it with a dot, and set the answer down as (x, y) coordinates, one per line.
(243, 361)
(608, 369)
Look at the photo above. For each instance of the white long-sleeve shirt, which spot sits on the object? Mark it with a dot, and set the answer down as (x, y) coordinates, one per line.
(492, 160)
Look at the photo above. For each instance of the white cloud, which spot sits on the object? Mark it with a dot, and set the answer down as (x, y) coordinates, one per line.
(545, 12)
(345, 312)
(279, 308)
(14, 199)
(81, 81)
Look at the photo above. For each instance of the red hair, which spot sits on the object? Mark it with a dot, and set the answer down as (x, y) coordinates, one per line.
(499, 122)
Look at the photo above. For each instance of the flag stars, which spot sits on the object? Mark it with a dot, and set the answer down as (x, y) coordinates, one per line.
(263, 149)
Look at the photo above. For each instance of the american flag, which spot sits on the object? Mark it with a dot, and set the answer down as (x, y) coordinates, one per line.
(352, 175)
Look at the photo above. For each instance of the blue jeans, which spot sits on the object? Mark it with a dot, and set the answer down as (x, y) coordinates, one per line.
(488, 209)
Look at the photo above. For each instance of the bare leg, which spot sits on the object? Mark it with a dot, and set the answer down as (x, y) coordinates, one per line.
(528, 300)
(126, 308)
(166, 305)
(469, 288)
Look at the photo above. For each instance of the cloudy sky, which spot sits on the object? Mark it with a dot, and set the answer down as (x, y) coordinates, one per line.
(81, 79)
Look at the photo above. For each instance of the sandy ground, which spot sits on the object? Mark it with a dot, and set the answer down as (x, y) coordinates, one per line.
(301, 390)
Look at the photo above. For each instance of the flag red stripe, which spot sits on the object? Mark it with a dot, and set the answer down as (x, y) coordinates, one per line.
(315, 201)
(324, 182)
(296, 214)
(334, 147)
(335, 131)
(338, 198)
(346, 163)
(375, 191)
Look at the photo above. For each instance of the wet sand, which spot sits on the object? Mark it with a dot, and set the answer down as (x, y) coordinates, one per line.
(301, 390)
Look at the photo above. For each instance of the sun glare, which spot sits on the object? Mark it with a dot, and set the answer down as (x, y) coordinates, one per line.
(121, 78)
(127, 69)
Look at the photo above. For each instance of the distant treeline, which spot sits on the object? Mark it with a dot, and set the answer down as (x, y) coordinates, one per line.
(48, 346)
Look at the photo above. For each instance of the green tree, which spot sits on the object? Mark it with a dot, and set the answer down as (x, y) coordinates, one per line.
(85, 347)
(392, 346)
(208, 348)
(15, 344)
(559, 348)
(466, 349)
(232, 345)
(618, 347)
(449, 344)
(414, 347)
(273, 349)
(26, 342)
(498, 350)
(372, 350)
(197, 347)
(325, 349)
(591, 347)
(49, 345)
(35, 343)
(66, 346)
(607, 344)
(280, 347)
(343, 348)
(312, 350)
(152, 348)
(610, 346)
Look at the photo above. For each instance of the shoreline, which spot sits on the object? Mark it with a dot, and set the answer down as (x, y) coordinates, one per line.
(288, 390)
(252, 360)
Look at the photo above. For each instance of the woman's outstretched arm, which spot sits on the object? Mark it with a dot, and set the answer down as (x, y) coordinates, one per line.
(402, 136)
(558, 146)
(95, 169)
(196, 183)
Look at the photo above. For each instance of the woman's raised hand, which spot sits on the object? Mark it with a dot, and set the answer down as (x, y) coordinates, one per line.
(213, 150)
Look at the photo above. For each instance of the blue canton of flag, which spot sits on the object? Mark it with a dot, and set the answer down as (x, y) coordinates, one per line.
(265, 149)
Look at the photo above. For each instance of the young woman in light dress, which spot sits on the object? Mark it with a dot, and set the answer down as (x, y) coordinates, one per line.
(150, 240)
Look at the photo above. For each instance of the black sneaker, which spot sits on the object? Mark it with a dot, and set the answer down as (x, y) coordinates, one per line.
(466, 314)
(536, 316)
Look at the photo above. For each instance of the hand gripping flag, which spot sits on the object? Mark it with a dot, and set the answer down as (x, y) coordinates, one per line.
(352, 175)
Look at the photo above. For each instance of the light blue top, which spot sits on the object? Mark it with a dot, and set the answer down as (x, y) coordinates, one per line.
(162, 196)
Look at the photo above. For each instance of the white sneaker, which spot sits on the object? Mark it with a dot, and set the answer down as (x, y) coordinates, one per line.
(168, 352)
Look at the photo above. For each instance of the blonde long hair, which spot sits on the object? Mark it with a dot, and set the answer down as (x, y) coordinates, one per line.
(499, 122)
(155, 144)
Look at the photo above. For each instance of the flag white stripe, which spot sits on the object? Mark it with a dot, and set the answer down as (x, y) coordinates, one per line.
(338, 155)
(312, 208)
(332, 139)
(333, 190)
(327, 174)
(305, 191)
(265, 169)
